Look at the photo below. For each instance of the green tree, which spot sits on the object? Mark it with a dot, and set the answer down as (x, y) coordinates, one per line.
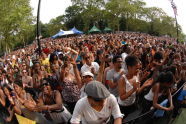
(125, 15)
(55, 25)
(16, 22)
(73, 17)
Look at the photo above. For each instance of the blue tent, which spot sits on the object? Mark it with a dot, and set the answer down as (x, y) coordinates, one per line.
(60, 33)
(76, 31)
(65, 33)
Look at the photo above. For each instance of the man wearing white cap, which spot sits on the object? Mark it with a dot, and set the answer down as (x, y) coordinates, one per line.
(86, 77)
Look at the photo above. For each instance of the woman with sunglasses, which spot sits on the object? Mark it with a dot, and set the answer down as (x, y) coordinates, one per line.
(97, 107)
(27, 80)
(50, 102)
(71, 83)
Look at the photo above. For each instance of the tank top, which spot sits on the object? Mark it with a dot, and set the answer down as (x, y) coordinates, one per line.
(70, 92)
(150, 95)
(52, 99)
(131, 99)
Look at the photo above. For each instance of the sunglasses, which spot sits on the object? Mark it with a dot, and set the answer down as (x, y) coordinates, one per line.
(87, 76)
(87, 58)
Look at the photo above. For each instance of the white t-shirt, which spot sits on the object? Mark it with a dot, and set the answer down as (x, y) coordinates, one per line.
(82, 90)
(86, 68)
(87, 115)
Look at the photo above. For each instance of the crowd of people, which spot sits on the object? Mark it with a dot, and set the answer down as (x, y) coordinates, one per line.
(92, 79)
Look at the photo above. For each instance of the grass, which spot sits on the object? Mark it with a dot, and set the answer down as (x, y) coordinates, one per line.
(181, 119)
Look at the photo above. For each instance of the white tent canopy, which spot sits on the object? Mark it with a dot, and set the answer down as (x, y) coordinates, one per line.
(67, 33)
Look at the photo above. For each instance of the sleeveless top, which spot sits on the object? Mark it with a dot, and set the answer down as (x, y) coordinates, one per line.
(52, 99)
(52, 102)
(131, 99)
(58, 116)
(70, 91)
(150, 95)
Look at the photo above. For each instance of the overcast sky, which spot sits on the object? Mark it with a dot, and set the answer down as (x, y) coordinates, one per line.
(53, 8)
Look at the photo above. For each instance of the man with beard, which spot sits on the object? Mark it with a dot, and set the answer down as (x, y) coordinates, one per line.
(114, 75)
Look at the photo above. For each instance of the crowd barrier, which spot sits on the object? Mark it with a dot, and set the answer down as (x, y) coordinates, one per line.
(148, 116)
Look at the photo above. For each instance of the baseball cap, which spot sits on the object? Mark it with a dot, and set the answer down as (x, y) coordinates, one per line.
(96, 90)
(88, 74)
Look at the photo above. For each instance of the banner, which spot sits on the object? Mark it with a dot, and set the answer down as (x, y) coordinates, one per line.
(23, 120)
(174, 7)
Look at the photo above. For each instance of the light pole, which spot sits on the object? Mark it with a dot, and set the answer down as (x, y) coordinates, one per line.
(175, 14)
(38, 29)
(177, 31)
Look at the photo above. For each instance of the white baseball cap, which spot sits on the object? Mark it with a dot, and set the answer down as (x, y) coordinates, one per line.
(88, 74)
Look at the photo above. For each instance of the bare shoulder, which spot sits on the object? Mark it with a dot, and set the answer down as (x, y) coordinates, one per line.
(1, 92)
(56, 92)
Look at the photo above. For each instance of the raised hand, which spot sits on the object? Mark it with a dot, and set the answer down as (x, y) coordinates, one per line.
(148, 82)
(135, 85)
(93, 70)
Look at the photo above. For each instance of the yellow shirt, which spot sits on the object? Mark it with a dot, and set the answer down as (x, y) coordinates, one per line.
(45, 62)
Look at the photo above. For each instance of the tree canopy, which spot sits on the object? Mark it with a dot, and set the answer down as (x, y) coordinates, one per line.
(17, 24)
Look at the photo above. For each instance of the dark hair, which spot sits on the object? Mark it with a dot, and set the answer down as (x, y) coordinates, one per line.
(19, 83)
(3, 71)
(45, 81)
(158, 56)
(65, 58)
(7, 86)
(61, 56)
(52, 55)
(171, 68)
(86, 55)
(126, 48)
(99, 52)
(131, 60)
(114, 60)
(36, 62)
(52, 82)
(165, 77)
